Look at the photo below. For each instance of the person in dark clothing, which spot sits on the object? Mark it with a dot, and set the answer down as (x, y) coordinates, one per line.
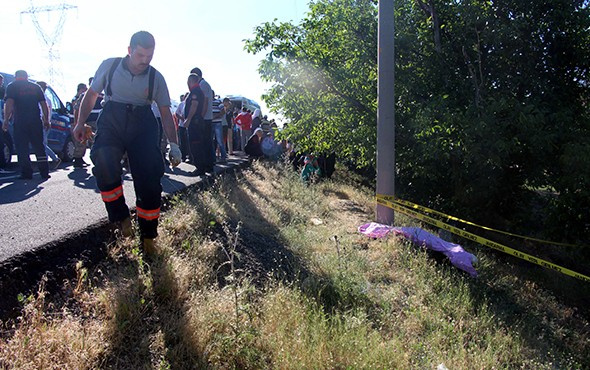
(128, 125)
(3, 160)
(23, 99)
(256, 119)
(198, 132)
(253, 147)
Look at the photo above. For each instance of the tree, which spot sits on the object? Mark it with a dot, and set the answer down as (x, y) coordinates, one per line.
(492, 100)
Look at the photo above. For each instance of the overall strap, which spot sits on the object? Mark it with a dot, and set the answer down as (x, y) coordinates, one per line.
(151, 83)
(111, 73)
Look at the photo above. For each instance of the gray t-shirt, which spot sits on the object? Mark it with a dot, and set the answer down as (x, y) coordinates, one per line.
(208, 92)
(129, 89)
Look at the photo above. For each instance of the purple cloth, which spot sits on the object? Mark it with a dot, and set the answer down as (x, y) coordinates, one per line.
(454, 252)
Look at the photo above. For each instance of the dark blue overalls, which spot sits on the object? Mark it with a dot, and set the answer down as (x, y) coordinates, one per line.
(125, 128)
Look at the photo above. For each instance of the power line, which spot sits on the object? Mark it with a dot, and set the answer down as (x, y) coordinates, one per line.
(51, 38)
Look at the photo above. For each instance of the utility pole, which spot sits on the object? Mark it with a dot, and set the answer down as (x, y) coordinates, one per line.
(50, 38)
(385, 109)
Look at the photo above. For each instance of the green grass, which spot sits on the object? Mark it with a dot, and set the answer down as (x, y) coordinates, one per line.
(262, 271)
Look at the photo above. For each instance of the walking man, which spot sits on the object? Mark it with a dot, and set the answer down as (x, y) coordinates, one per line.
(23, 99)
(127, 125)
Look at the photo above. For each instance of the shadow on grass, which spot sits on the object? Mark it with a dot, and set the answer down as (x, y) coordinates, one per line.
(266, 255)
(150, 328)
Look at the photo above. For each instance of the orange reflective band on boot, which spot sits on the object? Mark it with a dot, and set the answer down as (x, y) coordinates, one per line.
(148, 214)
(112, 195)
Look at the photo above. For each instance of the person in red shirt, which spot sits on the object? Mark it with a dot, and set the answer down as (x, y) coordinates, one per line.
(244, 121)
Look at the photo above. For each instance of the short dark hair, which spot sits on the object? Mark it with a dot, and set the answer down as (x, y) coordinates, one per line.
(197, 71)
(81, 86)
(226, 100)
(143, 39)
(193, 78)
(21, 74)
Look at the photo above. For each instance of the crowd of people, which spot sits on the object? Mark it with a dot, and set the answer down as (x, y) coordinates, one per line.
(124, 115)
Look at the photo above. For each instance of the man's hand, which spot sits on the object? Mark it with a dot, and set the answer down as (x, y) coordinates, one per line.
(174, 155)
(79, 132)
(88, 134)
(5, 125)
(46, 124)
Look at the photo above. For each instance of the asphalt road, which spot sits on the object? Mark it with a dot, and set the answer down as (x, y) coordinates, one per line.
(34, 213)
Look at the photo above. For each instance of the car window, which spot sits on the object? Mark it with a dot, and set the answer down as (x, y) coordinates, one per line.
(55, 102)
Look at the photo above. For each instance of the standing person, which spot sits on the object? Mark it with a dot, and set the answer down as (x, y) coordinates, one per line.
(208, 118)
(55, 161)
(182, 134)
(23, 99)
(228, 126)
(195, 124)
(127, 125)
(218, 114)
(80, 146)
(244, 120)
(3, 160)
(265, 125)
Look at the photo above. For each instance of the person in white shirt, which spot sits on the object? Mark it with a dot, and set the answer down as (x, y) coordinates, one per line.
(182, 134)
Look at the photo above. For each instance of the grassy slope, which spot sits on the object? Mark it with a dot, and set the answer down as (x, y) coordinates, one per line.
(262, 272)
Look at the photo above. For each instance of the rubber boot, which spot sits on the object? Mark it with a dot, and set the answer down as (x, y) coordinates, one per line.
(149, 247)
(126, 228)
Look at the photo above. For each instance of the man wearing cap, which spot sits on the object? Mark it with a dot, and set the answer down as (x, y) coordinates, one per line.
(127, 125)
(23, 99)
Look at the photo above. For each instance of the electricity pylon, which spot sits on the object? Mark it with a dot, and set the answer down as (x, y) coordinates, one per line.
(50, 38)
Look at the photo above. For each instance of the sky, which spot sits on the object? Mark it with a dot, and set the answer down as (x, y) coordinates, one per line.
(189, 33)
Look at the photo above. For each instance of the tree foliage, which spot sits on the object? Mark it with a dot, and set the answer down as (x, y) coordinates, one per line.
(492, 100)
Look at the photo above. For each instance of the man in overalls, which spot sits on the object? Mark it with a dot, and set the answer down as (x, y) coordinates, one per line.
(127, 125)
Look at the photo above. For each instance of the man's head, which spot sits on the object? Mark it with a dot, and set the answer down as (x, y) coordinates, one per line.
(141, 51)
(198, 72)
(193, 79)
(21, 75)
(81, 88)
(226, 103)
(43, 85)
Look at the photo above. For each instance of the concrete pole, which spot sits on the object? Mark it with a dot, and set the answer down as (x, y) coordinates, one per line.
(385, 109)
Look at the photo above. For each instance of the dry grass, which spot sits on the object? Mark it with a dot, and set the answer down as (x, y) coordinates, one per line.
(298, 288)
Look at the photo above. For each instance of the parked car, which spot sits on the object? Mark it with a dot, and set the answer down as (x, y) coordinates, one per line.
(59, 138)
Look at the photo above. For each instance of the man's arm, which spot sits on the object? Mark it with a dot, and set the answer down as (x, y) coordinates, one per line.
(220, 114)
(191, 112)
(86, 106)
(205, 106)
(8, 109)
(168, 124)
(45, 110)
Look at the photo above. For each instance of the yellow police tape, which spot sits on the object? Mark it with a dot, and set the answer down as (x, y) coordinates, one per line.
(432, 211)
(478, 239)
